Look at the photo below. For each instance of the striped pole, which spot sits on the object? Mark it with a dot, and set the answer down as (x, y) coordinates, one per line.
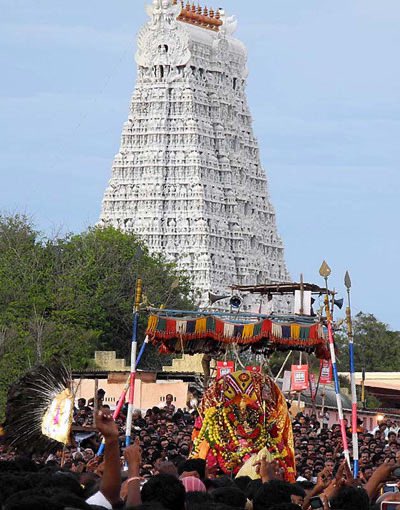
(325, 271)
(138, 297)
(142, 349)
(122, 398)
(347, 282)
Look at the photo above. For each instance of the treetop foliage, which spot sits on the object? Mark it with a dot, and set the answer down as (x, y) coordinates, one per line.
(376, 347)
(69, 296)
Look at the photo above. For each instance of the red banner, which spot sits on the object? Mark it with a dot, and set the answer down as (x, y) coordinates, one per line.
(224, 368)
(299, 381)
(253, 368)
(326, 372)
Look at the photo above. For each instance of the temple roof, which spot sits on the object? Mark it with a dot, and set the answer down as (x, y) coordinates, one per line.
(200, 16)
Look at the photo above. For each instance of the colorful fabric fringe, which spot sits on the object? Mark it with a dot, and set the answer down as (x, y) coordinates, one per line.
(212, 334)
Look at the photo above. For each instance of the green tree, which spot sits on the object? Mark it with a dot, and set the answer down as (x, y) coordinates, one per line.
(96, 284)
(375, 346)
(69, 296)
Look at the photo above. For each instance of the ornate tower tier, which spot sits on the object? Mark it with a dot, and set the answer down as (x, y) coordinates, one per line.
(188, 178)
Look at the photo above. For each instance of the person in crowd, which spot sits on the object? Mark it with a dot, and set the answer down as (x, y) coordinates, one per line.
(169, 406)
(160, 475)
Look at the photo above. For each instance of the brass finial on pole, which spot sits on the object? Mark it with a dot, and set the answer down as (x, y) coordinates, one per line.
(325, 272)
(138, 294)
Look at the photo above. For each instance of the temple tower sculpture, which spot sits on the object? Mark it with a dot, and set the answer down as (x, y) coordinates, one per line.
(188, 179)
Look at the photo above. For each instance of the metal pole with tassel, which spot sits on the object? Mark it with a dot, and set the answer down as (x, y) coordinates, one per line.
(325, 271)
(138, 298)
(347, 282)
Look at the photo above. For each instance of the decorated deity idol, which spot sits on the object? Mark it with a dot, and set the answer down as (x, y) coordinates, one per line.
(244, 415)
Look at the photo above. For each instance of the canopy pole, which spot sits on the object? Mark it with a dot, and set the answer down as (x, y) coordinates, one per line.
(325, 271)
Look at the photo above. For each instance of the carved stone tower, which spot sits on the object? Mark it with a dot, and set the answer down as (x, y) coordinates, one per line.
(188, 178)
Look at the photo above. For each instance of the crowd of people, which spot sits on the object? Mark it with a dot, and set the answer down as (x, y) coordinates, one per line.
(156, 472)
(318, 446)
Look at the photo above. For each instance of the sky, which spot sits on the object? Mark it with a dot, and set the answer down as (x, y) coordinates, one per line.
(323, 89)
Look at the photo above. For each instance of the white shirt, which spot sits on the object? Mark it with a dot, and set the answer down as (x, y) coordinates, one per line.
(100, 500)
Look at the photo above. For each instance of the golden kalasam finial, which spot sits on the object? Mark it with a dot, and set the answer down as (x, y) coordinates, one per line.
(205, 12)
(199, 9)
(211, 12)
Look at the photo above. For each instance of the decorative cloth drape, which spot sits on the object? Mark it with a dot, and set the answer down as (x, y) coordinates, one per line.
(213, 334)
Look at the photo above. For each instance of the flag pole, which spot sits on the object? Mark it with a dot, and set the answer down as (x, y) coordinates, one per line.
(325, 271)
(347, 282)
(122, 398)
(138, 298)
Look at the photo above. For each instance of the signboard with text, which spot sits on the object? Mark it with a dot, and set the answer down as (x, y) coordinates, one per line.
(326, 372)
(224, 368)
(299, 381)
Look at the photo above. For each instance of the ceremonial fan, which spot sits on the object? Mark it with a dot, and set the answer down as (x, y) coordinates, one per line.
(40, 408)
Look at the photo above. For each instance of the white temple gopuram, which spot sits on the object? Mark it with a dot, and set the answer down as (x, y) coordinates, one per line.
(188, 179)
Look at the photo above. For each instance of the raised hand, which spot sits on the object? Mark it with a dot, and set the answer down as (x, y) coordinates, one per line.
(92, 464)
(106, 425)
(133, 453)
(339, 480)
(323, 479)
(269, 470)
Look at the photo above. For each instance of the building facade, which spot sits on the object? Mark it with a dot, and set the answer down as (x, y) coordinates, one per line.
(188, 178)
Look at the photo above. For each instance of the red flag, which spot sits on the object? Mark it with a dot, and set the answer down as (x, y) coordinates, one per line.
(299, 380)
(224, 368)
(326, 371)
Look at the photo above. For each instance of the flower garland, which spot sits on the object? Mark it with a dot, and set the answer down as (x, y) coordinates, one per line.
(234, 435)
(243, 414)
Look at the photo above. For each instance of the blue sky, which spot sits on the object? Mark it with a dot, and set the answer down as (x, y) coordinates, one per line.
(324, 90)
